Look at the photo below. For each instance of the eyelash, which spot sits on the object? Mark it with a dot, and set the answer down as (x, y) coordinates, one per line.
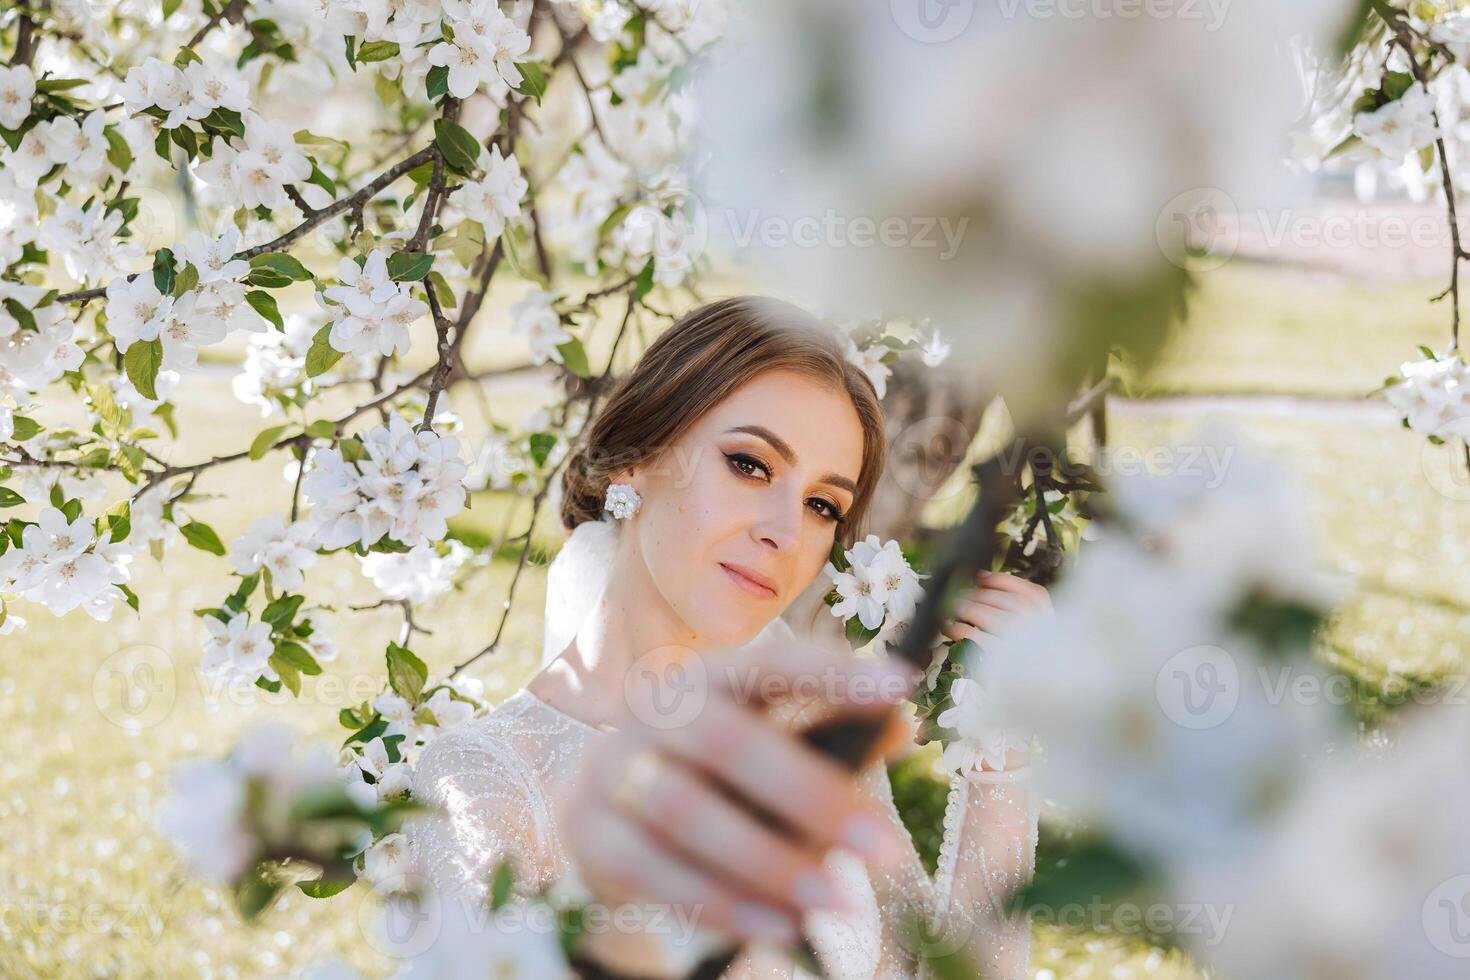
(737, 460)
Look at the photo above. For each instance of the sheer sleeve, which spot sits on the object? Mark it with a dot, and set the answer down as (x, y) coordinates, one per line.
(486, 803)
(988, 851)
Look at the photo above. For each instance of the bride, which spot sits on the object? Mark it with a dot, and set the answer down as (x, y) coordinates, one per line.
(708, 496)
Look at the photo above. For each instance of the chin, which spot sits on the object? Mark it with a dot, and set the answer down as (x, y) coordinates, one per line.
(721, 624)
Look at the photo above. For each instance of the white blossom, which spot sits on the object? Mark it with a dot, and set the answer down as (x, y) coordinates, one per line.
(237, 652)
(1403, 126)
(870, 360)
(406, 486)
(62, 565)
(81, 147)
(158, 84)
(214, 257)
(1433, 396)
(419, 574)
(537, 320)
(390, 778)
(496, 197)
(388, 860)
(879, 587)
(933, 348)
(483, 53)
(286, 550)
(17, 88)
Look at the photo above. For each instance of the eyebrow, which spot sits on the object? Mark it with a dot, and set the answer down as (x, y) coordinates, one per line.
(783, 448)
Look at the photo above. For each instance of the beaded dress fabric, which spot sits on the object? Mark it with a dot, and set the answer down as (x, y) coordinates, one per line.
(498, 783)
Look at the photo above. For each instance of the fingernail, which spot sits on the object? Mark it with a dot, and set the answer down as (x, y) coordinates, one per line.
(869, 837)
(764, 923)
(816, 890)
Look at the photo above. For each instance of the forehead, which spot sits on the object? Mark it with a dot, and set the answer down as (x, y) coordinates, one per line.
(817, 420)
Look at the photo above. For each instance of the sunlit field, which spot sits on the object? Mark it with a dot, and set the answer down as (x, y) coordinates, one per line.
(89, 888)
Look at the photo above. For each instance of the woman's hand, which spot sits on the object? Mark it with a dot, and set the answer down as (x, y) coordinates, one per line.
(651, 819)
(981, 614)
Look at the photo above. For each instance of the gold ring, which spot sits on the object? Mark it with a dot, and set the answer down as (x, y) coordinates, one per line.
(636, 779)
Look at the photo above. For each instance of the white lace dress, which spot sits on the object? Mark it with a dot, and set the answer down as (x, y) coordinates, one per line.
(498, 782)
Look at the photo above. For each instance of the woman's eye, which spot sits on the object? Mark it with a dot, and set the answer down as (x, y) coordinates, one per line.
(746, 465)
(827, 509)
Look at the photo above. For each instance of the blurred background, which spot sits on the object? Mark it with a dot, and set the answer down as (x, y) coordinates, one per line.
(1296, 312)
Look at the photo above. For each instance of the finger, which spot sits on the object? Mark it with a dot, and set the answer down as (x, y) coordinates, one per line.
(964, 631)
(983, 616)
(781, 670)
(710, 829)
(616, 850)
(799, 786)
(998, 599)
(1007, 582)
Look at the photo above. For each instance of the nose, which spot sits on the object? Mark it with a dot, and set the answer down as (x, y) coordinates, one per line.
(779, 527)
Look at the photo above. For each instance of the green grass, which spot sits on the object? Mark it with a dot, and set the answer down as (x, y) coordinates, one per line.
(1256, 329)
(90, 889)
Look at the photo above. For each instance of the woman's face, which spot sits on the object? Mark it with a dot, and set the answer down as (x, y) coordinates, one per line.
(740, 513)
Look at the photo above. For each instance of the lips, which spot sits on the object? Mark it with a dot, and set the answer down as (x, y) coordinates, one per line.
(750, 580)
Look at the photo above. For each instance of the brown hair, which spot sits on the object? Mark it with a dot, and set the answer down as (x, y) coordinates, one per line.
(693, 366)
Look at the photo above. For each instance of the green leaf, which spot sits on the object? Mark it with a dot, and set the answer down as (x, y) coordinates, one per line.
(320, 179)
(645, 282)
(119, 154)
(9, 498)
(120, 520)
(281, 264)
(541, 444)
(533, 80)
(407, 674)
(163, 272)
(141, 362)
(574, 356)
(265, 305)
(322, 429)
(409, 266)
(23, 316)
(25, 428)
(321, 355)
(185, 280)
(1396, 83)
(377, 51)
(299, 657)
(459, 148)
(290, 676)
(437, 83)
(1427, 352)
(185, 139)
(256, 894)
(324, 887)
(58, 84)
(281, 610)
(202, 536)
(266, 439)
(858, 634)
(442, 292)
(838, 557)
(500, 883)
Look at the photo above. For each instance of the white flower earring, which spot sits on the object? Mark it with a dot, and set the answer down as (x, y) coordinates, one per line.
(622, 501)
